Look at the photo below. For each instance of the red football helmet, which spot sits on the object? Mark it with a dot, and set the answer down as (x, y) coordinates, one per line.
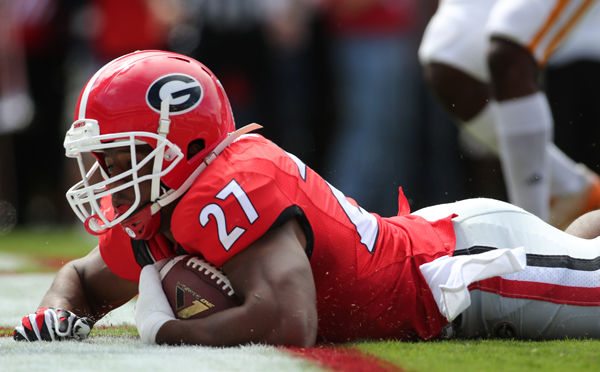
(162, 99)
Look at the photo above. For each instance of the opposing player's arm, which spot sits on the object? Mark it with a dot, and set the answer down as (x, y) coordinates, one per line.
(88, 288)
(274, 278)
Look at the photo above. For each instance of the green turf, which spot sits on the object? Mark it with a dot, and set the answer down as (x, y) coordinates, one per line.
(46, 249)
(5, 332)
(122, 331)
(68, 242)
(489, 355)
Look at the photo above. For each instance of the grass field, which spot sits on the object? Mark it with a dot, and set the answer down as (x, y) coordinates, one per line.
(45, 248)
(115, 346)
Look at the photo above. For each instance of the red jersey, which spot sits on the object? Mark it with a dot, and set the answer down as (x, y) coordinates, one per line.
(365, 267)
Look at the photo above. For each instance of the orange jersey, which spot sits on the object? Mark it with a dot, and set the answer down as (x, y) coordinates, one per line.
(365, 267)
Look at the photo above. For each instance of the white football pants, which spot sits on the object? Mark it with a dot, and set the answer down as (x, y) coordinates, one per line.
(557, 295)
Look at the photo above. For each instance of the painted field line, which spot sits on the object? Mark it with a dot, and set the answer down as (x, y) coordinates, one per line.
(338, 358)
(20, 294)
(113, 354)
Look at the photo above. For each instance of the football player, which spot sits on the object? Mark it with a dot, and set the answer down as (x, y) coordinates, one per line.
(482, 60)
(173, 176)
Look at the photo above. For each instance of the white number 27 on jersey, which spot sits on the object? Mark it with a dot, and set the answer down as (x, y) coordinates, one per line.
(226, 238)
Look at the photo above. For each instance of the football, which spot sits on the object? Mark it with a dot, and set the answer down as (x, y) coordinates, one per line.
(195, 288)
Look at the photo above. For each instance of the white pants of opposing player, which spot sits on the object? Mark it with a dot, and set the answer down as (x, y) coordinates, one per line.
(458, 34)
(557, 295)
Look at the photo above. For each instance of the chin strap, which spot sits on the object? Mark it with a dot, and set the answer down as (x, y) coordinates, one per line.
(145, 223)
(142, 225)
(174, 194)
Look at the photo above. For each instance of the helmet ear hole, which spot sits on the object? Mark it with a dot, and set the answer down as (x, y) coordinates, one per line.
(195, 147)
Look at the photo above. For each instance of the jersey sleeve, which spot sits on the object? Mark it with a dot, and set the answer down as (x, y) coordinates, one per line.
(220, 219)
(117, 253)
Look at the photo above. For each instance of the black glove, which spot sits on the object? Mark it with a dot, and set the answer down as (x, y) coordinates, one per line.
(50, 324)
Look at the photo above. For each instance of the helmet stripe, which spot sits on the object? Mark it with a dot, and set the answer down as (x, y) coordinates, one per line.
(88, 88)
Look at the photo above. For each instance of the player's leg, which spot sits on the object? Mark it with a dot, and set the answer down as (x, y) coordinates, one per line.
(523, 124)
(452, 53)
(465, 98)
(497, 316)
(581, 45)
(522, 36)
(556, 295)
(586, 226)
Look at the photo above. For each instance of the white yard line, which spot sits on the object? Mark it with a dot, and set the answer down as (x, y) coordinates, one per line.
(10, 262)
(21, 293)
(126, 354)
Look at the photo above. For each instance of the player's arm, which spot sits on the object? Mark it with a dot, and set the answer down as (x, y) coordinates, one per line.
(87, 287)
(274, 278)
(82, 292)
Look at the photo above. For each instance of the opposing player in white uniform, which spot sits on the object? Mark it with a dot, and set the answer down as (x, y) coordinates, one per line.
(482, 59)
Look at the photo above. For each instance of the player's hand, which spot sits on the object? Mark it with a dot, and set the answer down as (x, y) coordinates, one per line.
(152, 309)
(50, 324)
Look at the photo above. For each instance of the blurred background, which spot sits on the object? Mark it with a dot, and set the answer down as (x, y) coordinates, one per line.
(336, 82)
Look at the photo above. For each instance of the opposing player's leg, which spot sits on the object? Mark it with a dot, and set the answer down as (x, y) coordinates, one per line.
(452, 53)
(464, 97)
(524, 125)
(586, 226)
(557, 294)
(581, 44)
(575, 189)
(523, 34)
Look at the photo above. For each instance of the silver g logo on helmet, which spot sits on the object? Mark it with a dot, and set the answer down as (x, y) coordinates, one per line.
(185, 93)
